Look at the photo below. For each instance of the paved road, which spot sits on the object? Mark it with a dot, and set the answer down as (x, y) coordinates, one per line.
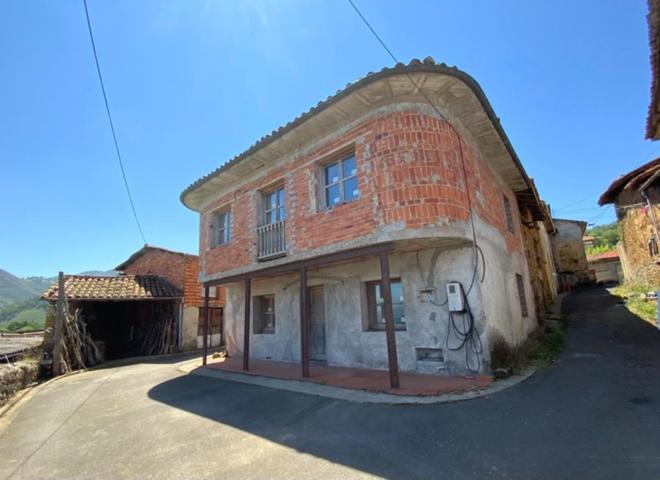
(595, 414)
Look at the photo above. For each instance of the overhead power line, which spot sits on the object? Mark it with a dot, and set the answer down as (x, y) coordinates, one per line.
(460, 142)
(112, 126)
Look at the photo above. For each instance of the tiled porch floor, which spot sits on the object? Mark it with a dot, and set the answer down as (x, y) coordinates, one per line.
(355, 378)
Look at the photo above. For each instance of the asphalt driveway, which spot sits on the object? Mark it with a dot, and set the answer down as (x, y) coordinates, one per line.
(595, 414)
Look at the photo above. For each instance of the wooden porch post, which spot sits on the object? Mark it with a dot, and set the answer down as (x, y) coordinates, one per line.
(59, 325)
(246, 325)
(206, 325)
(304, 323)
(386, 293)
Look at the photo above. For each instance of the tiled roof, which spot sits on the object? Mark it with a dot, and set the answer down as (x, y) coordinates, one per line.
(629, 181)
(611, 255)
(428, 65)
(122, 287)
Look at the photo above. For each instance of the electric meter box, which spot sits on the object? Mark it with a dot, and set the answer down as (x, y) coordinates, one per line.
(455, 298)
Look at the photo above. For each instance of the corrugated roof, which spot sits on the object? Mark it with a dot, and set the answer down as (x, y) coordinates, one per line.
(122, 287)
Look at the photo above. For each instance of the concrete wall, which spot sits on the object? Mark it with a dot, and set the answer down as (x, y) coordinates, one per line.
(494, 303)
(569, 254)
(607, 271)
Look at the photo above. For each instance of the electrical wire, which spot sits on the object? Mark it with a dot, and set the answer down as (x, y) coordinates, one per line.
(456, 134)
(467, 335)
(112, 126)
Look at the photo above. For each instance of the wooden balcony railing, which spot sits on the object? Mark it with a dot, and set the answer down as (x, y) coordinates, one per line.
(271, 240)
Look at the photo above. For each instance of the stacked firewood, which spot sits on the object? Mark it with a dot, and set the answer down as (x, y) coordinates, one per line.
(78, 348)
(160, 337)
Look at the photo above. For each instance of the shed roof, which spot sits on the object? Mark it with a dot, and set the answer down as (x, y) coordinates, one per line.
(629, 181)
(149, 248)
(605, 256)
(119, 288)
(449, 86)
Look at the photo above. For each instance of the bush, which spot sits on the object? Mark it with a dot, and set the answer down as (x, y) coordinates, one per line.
(541, 348)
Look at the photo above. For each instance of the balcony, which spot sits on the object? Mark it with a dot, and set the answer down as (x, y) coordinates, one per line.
(271, 240)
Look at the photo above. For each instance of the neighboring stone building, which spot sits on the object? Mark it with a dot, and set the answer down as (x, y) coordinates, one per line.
(537, 228)
(182, 271)
(636, 198)
(569, 254)
(370, 188)
(606, 267)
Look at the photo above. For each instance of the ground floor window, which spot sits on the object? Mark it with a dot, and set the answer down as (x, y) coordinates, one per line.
(264, 314)
(376, 319)
(521, 294)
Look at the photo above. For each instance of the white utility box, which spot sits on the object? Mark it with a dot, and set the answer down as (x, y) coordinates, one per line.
(455, 299)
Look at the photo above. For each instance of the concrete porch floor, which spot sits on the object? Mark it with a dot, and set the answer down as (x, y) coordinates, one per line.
(355, 378)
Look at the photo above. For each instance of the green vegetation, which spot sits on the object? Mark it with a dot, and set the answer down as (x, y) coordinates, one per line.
(605, 238)
(540, 349)
(23, 316)
(635, 299)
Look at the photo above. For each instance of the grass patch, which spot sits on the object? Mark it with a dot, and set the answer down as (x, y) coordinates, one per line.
(634, 297)
(540, 349)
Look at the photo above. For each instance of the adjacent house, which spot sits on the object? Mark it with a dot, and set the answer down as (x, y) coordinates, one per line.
(182, 271)
(606, 267)
(636, 198)
(376, 230)
(569, 254)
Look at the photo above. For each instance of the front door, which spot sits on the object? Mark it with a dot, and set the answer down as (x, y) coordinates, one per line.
(317, 321)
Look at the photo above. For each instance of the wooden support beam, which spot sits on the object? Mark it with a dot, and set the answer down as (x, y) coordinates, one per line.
(304, 323)
(59, 326)
(246, 325)
(390, 333)
(206, 325)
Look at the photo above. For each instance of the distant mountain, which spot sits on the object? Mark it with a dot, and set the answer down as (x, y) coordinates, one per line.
(14, 289)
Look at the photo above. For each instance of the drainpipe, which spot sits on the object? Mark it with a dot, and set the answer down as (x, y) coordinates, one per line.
(644, 193)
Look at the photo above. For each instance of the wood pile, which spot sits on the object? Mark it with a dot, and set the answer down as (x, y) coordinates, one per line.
(160, 337)
(78, 348)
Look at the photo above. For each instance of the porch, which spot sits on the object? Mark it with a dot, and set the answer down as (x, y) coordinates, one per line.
(371, 380)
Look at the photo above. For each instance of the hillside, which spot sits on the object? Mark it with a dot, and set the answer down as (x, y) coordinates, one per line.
(14, 289)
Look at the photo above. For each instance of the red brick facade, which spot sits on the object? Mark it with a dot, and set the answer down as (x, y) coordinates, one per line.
(409, 172)
(180, 269)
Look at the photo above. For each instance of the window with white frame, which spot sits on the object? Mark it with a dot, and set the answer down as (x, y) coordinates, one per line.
(375, 305)
(220, 228)
(340, 182)
(274, 206)
(264, 314)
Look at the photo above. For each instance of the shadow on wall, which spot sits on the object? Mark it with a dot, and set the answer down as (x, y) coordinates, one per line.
(422, 440)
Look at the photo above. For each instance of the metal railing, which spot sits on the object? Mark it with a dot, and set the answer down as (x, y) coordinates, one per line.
(271, 240)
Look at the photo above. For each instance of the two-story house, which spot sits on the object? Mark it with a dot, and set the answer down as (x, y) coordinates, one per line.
(375, 230)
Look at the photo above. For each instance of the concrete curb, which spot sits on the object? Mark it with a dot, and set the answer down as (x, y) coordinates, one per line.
(358, 396)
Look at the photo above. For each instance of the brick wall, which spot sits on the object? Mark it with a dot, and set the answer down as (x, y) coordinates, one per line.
(179, 269)
(409, 173)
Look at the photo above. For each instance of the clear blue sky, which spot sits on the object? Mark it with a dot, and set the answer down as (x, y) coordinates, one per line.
(192, 83)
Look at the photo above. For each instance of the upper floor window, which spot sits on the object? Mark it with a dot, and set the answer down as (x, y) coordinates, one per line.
(509, 214)
(274, 206)
(221, 228)
(375, 302)
(340, 183)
